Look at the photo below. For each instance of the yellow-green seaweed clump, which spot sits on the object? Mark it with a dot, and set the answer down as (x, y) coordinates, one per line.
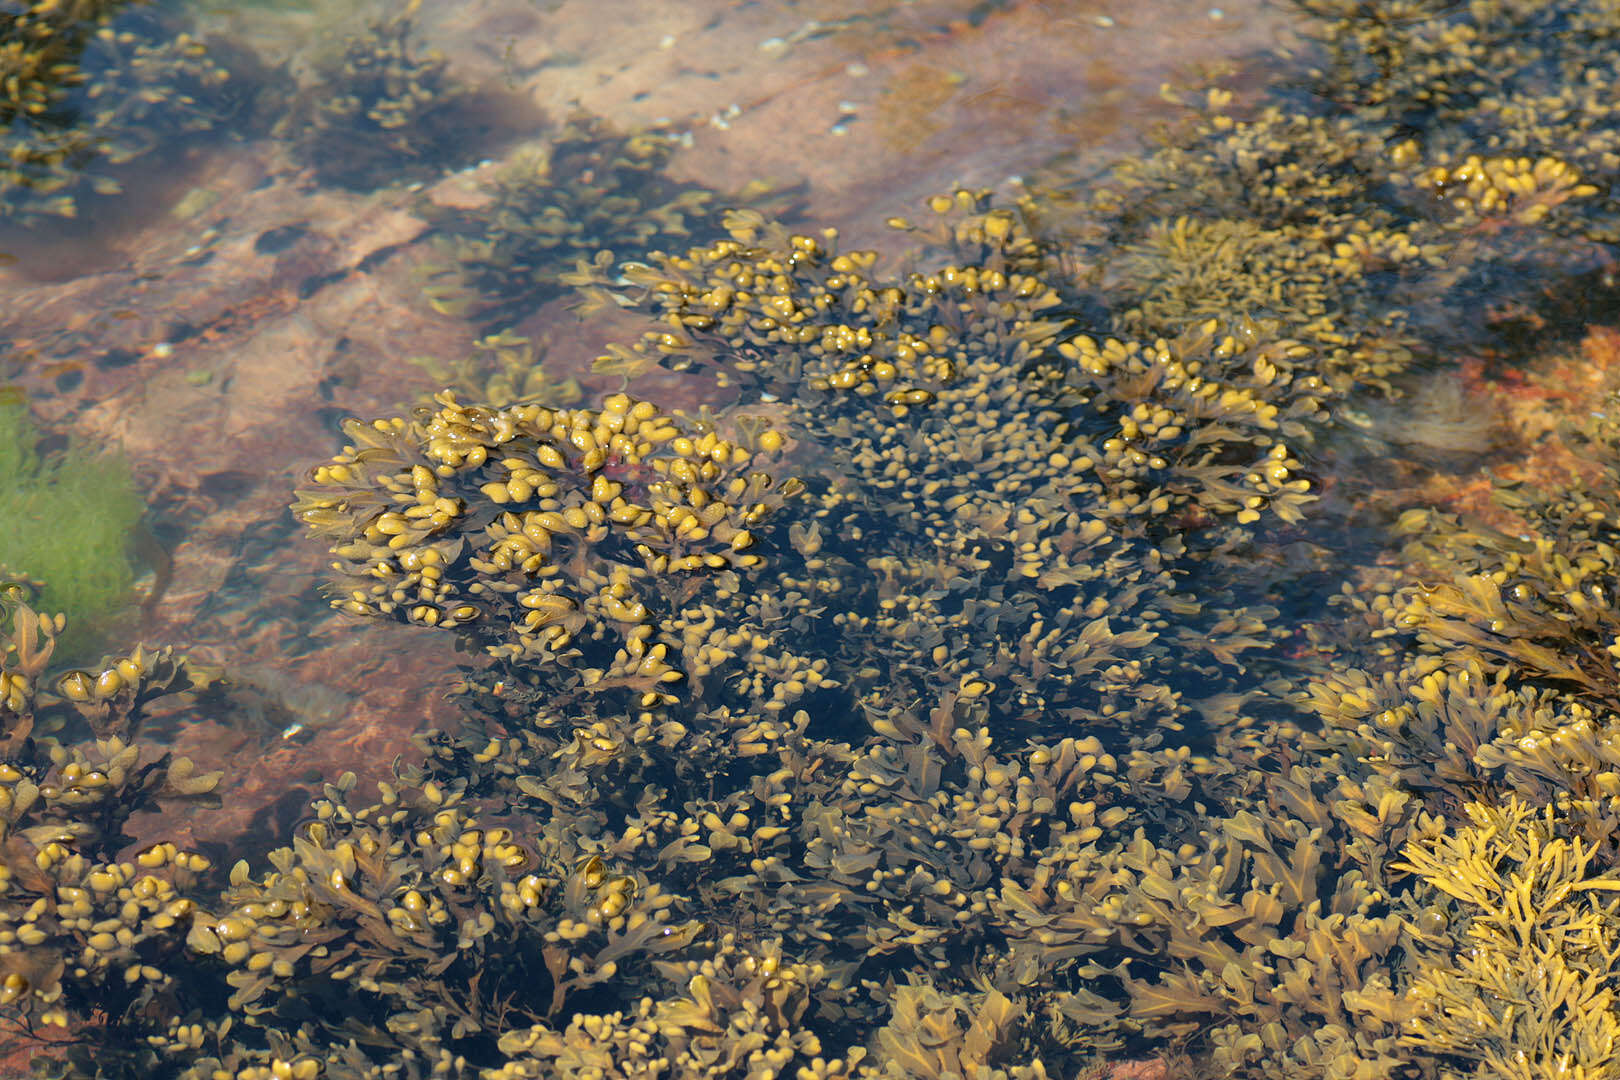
(1493, 668)
(545, 534)
(1002, 756)
(1194, 424)
(407, 902)
(998, 509)
(1496, 108)
(1487, 691)
(88, 929)
(1520, 966)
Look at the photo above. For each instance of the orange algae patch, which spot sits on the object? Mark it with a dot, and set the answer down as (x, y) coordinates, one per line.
(1533, 405)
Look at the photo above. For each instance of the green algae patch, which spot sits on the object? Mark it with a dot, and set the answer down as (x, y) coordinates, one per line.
(68, 517)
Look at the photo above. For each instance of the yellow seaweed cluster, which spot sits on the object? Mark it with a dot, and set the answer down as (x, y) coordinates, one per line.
(975, 359)
(741, 1009)
(1265, 213)
(1011, 730)
(1379, 226)
(794, 312)
(1518, 189)
(855, 717)
(367, 899)
(1476, 93)
(1482, 723)
(86, 926)
(1529, 980)
(1500, 652)
(995, 454)
(546, 534)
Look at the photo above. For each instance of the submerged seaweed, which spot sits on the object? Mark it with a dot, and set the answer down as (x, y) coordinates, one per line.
(87, 86)
(922, 708)
(379, 108)
(557, 207)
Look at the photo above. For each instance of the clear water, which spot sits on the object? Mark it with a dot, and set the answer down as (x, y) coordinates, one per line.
(254, 283)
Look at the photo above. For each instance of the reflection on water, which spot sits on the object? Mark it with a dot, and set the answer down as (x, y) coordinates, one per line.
(852, 560)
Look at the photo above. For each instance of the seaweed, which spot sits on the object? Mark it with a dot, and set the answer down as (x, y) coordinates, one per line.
(69, 514)
(91, 85)
(921, 704)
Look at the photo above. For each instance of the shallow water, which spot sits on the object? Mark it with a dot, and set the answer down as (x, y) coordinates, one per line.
(251, 286)
(215, 320)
